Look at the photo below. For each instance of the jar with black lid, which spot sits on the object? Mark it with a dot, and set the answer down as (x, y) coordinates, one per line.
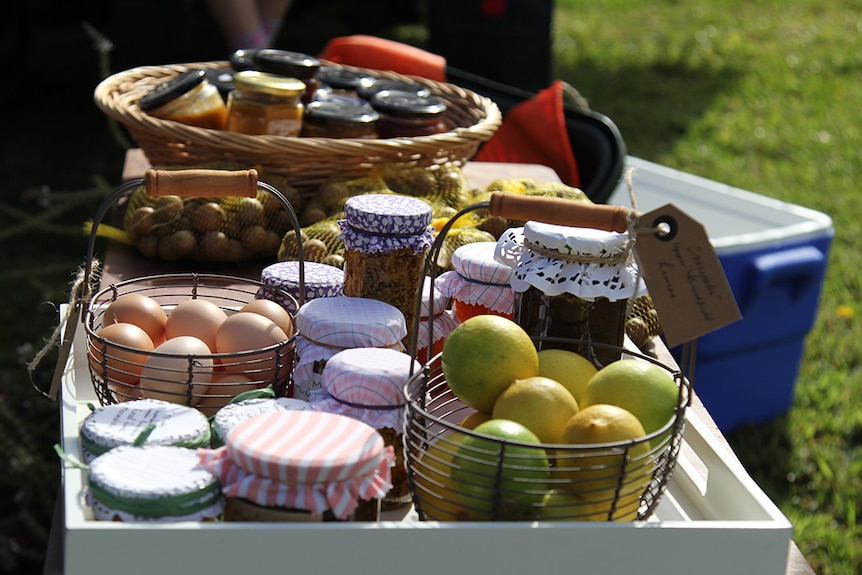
(371, 86)
(340, 116)
(290, 65)
(405, 114)
(343, 80)
(265, 104)
(188, 98)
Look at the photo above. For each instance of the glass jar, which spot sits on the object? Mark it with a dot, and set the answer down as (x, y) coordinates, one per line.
(323, 466)
(405, 114)
(343, 81)
(265, 104)
(435, 307)
(367, 384)
(386, 239)
(328, 325)
(340, 117)
(372, 85)
(478, 284)
(572, 283)
(321, 280)
(290, 65)
(188, 98)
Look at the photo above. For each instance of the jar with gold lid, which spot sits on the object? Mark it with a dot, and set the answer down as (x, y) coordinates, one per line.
(265, 104)
(289, 64)
(339, 116)
(405, 114)
(574, 284)
(189, 98)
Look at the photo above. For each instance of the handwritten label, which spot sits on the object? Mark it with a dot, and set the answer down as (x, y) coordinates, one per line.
(684, 276)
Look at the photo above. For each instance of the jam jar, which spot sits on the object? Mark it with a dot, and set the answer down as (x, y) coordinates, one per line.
(436, 322)
(263, 103)
(321, 280)
(290, 65)
(405, 114)
(324, 467)
(371, 86)
(478, 284)
(188, 98)
(328, 325)
(572, 283)
(386, 238)
(367, 384)
(340, 117)
(343, 81)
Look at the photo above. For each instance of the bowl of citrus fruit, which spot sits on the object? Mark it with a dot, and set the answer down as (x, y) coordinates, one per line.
(507, 428)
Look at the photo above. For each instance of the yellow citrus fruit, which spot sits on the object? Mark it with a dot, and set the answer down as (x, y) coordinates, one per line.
(474, 419)
(565, 505)
(485, 354)
(598, 473)
(569, 368)
(498, 476)
(433, 487)
(643, 388)
(541, 404)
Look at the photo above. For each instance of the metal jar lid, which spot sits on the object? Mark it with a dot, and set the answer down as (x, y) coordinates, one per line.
(343, 78)
(405, 104)
(341, 110)
(269, 84)
(171, 89)
(367, 89)
(286, 63)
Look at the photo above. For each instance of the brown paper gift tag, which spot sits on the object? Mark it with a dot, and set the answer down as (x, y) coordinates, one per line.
(684, 276)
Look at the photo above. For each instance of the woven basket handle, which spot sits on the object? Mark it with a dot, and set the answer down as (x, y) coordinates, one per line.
(201, 183)
(559, 211)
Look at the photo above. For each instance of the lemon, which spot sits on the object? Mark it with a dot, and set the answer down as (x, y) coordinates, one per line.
(563, 505)
(433, 486)
(474, 419)
(498, 477)
(569, 368)
(598, 473)
(643, 388)
(485, 354)
(541, 404)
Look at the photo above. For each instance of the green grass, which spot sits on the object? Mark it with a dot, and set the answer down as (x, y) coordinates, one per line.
(763, 96)
(759, 95)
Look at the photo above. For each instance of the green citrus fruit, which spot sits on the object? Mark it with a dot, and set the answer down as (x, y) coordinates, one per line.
(485, 354)
(499, 479)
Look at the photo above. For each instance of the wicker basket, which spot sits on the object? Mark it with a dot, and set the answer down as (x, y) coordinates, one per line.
(305, 162)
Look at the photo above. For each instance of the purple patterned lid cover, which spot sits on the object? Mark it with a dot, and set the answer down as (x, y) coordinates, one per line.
(385, 222)
(321, 280)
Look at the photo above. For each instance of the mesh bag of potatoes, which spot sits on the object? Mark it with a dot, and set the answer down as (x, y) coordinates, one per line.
(218, 229)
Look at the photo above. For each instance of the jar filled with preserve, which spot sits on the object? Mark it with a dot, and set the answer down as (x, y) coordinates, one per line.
(265, 104)
(477, 283)
(290, 65)
(339, 116)
(406, 114)
(572, 283)
(189, 98)
(367, 88)
(343, 81)
(367, 384)
(386, 238)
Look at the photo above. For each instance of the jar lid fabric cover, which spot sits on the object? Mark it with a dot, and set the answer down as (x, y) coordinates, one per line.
(117, 424)
(366, 383)
(321, 280)
(153, 483)
(347, 321)
(375, 223)
(233, 414)
(444, 320)
(477, 278)
(606, 270)
(308, 460)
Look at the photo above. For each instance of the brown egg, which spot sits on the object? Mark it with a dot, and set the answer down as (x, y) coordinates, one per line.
(140, 310)
(244, 332)
(198, 318)
(223, 388)
(122, 367)
(273, 311)
(188, 363)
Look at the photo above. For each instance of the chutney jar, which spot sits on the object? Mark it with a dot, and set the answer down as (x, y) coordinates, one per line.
(572, 283)
(477, 283)
(386, 239)
(368, 384)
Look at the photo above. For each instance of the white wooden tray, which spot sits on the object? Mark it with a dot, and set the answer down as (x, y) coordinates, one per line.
(714, 519)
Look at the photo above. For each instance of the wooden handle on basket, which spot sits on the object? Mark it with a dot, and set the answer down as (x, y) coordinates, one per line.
(201, 183)
(559, 211)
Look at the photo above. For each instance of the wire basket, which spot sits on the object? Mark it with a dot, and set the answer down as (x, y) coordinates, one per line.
(193, 379)
(305, 162)
(456, 473)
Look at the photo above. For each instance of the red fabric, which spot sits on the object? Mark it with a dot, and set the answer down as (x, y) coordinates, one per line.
(381, 54)
(534, 132)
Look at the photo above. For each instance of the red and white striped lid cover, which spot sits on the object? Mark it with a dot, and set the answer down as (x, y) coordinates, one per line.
(308, 460)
